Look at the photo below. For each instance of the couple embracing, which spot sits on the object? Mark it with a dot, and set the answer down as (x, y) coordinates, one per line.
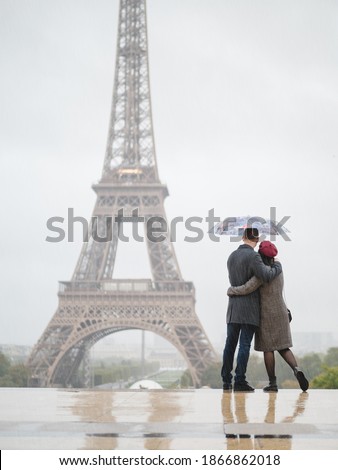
(256, 307)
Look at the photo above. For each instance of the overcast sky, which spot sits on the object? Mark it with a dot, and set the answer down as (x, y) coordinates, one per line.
(245, 109)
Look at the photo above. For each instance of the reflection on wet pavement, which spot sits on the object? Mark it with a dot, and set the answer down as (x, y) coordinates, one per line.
(253, 434)
(158, 440)
(167, 419)
(92, 407)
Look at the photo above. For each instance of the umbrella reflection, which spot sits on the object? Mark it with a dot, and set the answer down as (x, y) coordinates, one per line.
(242, 433)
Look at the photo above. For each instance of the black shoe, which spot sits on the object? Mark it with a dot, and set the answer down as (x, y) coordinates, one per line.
(270, 388)
(243, 387)
(227, 387)
(302, 380)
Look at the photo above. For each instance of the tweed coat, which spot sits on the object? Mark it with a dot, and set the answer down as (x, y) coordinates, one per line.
(243, 264)
(274, 331)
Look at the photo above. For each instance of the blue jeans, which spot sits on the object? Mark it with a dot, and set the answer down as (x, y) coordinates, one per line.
(243, 333)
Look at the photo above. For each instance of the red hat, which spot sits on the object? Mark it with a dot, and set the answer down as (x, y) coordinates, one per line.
(268, 249)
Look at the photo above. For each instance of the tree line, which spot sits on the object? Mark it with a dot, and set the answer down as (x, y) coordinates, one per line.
(320, 369)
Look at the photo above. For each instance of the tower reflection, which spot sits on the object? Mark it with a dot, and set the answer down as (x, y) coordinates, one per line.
(97, 407)
(243, 433)
(159, 415)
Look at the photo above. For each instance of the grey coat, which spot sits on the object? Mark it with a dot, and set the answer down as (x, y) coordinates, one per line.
(243, 264)
(274, 333)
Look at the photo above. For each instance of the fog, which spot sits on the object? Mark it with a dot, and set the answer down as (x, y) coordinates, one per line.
(245, 111)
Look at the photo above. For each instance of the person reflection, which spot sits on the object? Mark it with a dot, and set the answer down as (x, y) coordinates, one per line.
(299, 408)
(238, 436)
(236, 440)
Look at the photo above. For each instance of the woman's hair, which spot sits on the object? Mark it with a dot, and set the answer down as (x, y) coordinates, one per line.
(266, 259)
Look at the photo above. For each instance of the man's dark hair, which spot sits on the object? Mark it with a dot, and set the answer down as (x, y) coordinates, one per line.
(251, 233)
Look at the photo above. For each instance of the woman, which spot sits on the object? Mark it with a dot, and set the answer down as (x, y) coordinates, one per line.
(274, 332)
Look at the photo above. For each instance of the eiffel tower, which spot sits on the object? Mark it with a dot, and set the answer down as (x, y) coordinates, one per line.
(94, 304)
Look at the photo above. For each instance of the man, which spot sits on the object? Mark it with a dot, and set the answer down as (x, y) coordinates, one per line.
(243, 311)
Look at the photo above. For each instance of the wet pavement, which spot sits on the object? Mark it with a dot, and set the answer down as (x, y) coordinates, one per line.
(168, 419)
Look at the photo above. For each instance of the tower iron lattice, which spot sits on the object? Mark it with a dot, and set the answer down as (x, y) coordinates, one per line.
(94, 304)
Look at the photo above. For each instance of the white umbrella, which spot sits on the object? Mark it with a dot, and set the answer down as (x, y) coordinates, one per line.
(235, 226)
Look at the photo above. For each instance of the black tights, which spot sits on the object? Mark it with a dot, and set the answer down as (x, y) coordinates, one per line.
(269, 361)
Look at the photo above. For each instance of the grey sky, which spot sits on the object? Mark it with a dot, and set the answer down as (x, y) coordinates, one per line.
(245, 109)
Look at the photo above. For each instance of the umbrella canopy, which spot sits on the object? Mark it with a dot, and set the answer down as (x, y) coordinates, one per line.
(235, 226)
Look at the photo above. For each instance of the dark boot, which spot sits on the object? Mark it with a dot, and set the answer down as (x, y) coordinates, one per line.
(302, 380)
(272, 387)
